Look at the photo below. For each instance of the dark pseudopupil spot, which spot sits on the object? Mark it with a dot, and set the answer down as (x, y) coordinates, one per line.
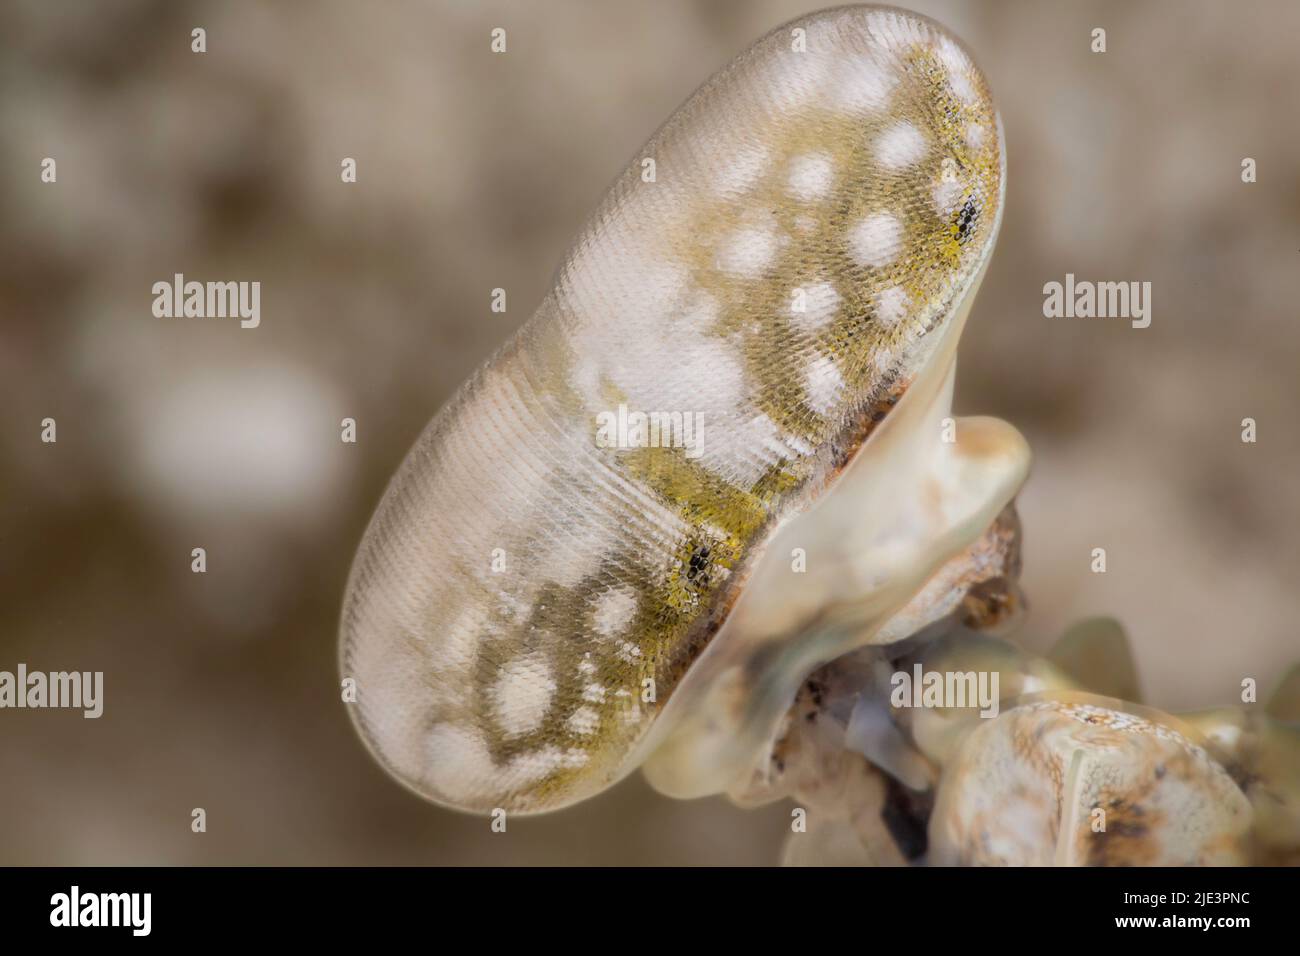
(699, 562)
(966, 219)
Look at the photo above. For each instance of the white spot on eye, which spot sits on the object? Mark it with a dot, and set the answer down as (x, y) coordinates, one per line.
(798, 445)
(811, 176)
(666, 367)
(861, 85)
(952, 56)
(748, 251)
(533, 766)
(594, 693)
(900, 146)
(522, 694)
(821, 303)
(743, 170)
(780, 445)
(891, 306)
(584, 721)
(962, 87)
(822, 382)
(876, 240)
(628, 714)
(458, 764)
(742, 452)
(959, 68)
(948, 193)
(614, 610)
(463, 639)
(631, 282)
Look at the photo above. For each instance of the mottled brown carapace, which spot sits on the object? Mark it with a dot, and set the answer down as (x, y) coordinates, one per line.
(1092, 785)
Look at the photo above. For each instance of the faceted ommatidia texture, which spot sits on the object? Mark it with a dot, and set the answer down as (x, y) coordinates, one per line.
(818, 210)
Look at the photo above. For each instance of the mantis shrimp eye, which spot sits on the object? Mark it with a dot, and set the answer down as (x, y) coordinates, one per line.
(590, 557)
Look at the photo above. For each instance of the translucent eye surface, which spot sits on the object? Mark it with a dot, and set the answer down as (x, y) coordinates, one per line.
(753, 297)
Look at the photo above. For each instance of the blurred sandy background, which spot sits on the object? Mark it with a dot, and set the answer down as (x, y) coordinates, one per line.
(474, 172)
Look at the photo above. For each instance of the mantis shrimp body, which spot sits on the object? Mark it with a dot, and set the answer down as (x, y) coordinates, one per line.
(544, 601)
(1059, 772)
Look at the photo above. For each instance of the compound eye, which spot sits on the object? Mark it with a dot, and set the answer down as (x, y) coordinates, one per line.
(740, 317)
